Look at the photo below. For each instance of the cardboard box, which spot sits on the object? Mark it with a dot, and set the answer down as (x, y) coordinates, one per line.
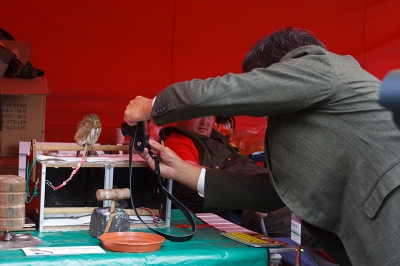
(23, 106)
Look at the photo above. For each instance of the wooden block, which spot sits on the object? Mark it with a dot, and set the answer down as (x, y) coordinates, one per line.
(12, 212)
(12, 202)
(9, 199)
(11, 223)
(12, 183)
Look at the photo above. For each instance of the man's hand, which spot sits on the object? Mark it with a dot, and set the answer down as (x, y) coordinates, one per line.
(259, 215)
(171, 165)
(138, 109)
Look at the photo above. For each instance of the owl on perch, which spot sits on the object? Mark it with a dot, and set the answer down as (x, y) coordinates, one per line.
(87, 133)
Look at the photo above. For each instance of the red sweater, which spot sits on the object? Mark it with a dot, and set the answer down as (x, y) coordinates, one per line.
(183, 147)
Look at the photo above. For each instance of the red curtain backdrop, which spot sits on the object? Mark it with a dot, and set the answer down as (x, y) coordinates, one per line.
(98, 55)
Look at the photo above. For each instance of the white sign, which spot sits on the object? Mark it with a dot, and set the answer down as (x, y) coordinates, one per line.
(295, 234)
(42, 251)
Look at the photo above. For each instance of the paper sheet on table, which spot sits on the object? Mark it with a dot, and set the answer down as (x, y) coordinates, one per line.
(43, 251)
(222, 224)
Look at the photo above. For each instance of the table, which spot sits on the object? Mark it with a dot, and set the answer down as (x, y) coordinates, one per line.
(207, 247)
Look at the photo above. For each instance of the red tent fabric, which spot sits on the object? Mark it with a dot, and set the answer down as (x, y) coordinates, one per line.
(98, 55)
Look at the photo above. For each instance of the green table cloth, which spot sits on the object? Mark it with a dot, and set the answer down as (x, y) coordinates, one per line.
(207, 247)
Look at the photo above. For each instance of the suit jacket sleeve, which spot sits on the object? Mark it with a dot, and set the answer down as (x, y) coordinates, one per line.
(297, 82)
(227, 190)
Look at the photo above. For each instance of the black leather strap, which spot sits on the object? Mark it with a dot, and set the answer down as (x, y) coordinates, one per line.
(176, 202)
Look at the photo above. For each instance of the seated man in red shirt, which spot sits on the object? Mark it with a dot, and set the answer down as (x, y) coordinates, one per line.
(196, 142)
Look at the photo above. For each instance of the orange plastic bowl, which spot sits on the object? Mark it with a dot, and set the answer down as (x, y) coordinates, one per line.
(131, 241)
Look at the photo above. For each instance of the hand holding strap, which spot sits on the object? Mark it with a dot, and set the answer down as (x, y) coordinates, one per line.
(177, 203)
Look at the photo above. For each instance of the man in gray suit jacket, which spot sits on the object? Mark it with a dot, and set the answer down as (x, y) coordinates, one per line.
(333, 151)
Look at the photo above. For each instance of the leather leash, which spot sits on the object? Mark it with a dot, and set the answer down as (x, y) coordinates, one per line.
(176, 202)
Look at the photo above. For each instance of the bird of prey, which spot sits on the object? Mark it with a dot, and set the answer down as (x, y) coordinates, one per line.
(87, 133)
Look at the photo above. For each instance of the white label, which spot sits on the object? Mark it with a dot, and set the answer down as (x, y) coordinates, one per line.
(295, 234)
(39, 251)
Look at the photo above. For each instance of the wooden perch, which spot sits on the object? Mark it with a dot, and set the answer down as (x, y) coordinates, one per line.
(35, 147)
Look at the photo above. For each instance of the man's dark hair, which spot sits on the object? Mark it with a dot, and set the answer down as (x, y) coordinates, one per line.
(273, 47)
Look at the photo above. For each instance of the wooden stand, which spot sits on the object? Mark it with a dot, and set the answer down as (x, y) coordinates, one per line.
(42, 173)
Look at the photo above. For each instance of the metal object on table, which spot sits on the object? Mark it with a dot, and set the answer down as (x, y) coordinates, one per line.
(17, 241)
(7, 236)
(104, 220)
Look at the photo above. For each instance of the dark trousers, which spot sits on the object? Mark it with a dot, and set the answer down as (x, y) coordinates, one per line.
(330, 243)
